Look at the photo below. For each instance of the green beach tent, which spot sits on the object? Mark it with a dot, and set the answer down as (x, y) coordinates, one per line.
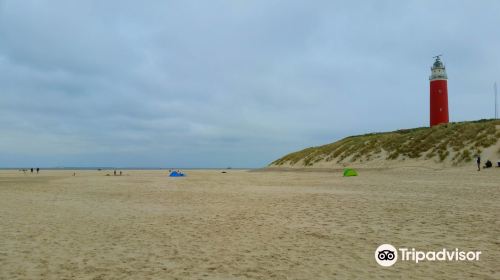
(348, 172)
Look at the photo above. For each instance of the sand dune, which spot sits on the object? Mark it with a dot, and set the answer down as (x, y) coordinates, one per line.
(443, 146)
(245, 225)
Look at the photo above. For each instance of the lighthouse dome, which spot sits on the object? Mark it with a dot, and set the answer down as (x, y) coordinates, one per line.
(438, 63)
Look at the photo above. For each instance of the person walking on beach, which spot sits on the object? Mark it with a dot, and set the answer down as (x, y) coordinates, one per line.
(114, 173)
(478, 163)
(37, 170)
(31, 170)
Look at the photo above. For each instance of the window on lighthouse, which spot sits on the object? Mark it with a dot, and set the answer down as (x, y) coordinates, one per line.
(440, 109)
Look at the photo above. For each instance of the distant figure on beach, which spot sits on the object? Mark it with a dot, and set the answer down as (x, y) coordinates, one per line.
(478, 163)
(31, 170)
(120, 173)
(37, 170)
(114, 173)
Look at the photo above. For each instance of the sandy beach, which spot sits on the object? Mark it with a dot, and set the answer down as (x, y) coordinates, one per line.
(246, 224)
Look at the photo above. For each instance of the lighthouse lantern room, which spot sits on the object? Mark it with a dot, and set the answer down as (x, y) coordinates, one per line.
(438, 93)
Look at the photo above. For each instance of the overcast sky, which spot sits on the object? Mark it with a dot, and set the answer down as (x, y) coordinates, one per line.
(229, 83)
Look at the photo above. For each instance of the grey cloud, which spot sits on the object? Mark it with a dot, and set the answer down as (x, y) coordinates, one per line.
(228, 83)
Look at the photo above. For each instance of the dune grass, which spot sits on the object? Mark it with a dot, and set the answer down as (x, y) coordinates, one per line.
(464, 139)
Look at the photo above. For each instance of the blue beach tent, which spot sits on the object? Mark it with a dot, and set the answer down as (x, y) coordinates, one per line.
(176, 174)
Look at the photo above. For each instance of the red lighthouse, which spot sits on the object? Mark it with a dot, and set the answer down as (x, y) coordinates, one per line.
(439, 93)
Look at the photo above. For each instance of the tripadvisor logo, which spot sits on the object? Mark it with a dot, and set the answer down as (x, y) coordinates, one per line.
(387, 255)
